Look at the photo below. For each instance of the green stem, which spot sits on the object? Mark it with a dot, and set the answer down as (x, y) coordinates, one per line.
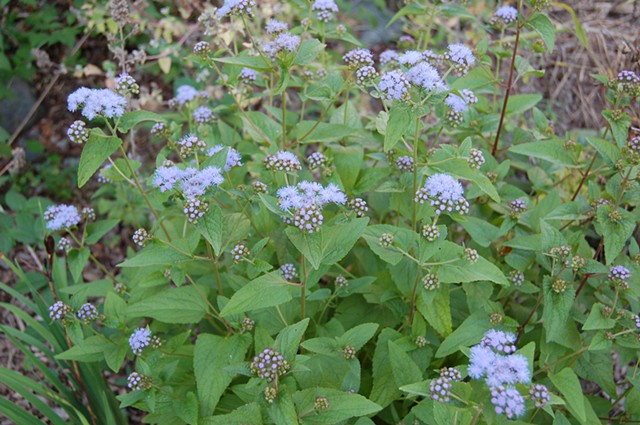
(415, 175)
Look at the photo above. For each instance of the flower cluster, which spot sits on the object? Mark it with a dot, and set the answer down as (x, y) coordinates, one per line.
(430, 281)
(388, 56)
(239, 251)
(394, 85)
(126, 85)
(619, 276)
(288, 271)
(385, 240)
(517, 206)
(341, 282)
(430, 232)
(247, 75)
(440, 388)
(61, 216)
(192, 182)
(476, 158)
(59, 310)
(504, 15)
(233, 156)
(470, 255)
(540, 395)
(185, 94)
(203, 115)
(64, 244)
(494, 360)
(404, 163)
(88, 213)
(269, 364)
(305, 201)
(202, 48)
(282, 161)
(316, 160)
(460, 57)
(189, 144)
(283, 42)
(358, 205)
(137, 381)
(425, 76)
(194, 209)
(629, 82)
(358, 58)
(96, 103)
(78, 132)
(349, 352)
(87, 312)
(366, 75)
(236, 7)
(325, 9)
(445, 194)
(140, 237)
(141, 338)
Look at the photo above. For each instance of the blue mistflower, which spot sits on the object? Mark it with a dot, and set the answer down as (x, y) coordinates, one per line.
(274, 26)
(426, 76)
(394, 85)
(410, 57)
(96, 102)
(61, 216)
(233, 156)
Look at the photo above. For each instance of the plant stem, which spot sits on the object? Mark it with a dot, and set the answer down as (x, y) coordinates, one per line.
(506, 97)
(303, 288)
(535, 308)
(415, 175)
(412, 306)
(284, 118)
(143, 193)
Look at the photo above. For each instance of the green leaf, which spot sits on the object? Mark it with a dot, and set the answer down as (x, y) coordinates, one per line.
(459, 168)
(248, 414)
(95, 153)
(308, 51)
(330, 244)
(596, 320)
(288, 340)
(615, 234)
(576, 22)
(543, 26)
(522, 102)
(405, 370)
(384, 390)
(211, 228)
(359, 335)
(265, 291)
(95, 231)
(133, 118)
(259, 126)
(606, 149)
(549, 150)
(619, 127)
(482, 232)
(156, 255)
(114, 355)
(556, 311)
(342, 406)
(481, 270)
(77, 259)
(435, 308)
(400, 118)
(89, 350)
(211, 356)
(468, 333)
(312, 132)
(253, 62)
(569, 385)
(348, 161)
(172, 305)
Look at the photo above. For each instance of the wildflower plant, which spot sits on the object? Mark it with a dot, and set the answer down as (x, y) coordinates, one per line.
(328, 232)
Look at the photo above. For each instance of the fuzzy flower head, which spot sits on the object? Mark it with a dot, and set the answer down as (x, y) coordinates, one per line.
(126, 85)
(137, 381)
(501, 342)
(388, 56)
(236, 7)
(628, 82)
(274, 26)
(282, 161)
(507, 401)
(284, 42)
(203, 115)
(540, 395)
(78, 132)
(305, 194)
(288, 271)
(504, 15)
(426, 76)
(247, 75)
(195, 182)
(494, 360)
(410, 57)
(394, 85)
(461, 58)
(358, 58)
(325, 9)
(140, 339)
(165, 178)
(87, 312)
(184, 94)
(61, 216)
(233, 156)
(189, 144)
(59, 310)
(96, 103)
(619, 275)
(445, 194)
(269, 364)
